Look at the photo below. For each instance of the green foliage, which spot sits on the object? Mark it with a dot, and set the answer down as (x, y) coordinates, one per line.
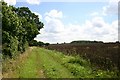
(37, 43)
(30, 22)
(46, 44)
(10, 47)
(82, 68)
(10, 21)
(76, 60)
(85, 42)
(23, 44)
(20, 26)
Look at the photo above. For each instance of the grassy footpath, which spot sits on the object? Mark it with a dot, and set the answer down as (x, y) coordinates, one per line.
(43, 63)
(30, 69)
(52, 68)
(25, 66)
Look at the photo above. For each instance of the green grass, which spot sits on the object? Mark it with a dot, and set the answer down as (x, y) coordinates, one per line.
(52, 68)
(43, 63)
(29, 68)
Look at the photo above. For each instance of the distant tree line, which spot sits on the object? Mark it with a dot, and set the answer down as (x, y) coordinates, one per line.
(87, 42)
(38, 43)
(19, 27)
(84, 42)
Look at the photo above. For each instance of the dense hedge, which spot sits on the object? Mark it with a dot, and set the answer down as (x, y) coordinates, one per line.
(19, 27)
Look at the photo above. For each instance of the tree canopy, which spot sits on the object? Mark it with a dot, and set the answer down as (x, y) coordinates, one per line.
(19, 27)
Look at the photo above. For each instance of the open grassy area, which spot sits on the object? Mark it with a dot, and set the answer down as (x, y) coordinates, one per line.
(43, 63)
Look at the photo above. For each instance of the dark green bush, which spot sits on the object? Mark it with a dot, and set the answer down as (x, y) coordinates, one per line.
(19, 27)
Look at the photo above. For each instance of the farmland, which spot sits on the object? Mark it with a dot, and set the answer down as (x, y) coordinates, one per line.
(104, 55)
(42, 63)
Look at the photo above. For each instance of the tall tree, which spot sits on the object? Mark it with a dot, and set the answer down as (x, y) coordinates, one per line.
(20, 26)
(30, 22)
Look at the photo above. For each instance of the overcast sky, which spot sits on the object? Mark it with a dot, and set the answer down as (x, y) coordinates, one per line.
(74, 19)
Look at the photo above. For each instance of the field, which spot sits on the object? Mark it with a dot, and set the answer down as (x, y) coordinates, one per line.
(25, 54)
(42, 63)
(103, 55)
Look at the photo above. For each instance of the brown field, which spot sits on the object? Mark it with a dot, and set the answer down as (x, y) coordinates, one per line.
(103, 55)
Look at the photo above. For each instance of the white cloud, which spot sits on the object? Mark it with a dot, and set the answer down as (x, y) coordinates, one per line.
(33, 1)
(94, 29)
(111, 8)
(47, 19)
(13, 2)
(53, 23)
(10, 2)
(94, 14)
(54, 26)
(54, 14)
(98, 22)
(114, 1)
(39, 15)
